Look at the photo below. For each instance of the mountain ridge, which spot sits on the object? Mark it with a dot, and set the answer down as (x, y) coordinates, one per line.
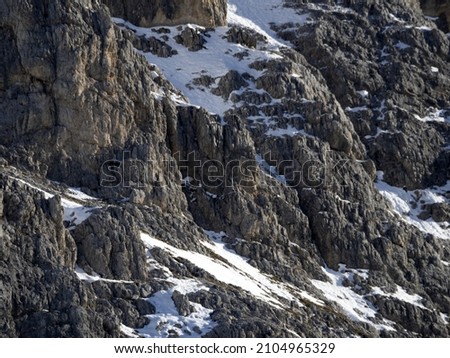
(285, 175)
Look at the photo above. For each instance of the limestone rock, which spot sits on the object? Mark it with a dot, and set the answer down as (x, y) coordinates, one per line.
(148, 13)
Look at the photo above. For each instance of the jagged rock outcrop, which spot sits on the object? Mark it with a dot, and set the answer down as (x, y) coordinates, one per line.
(113, 107)
(147, 13)
(40, 295)
(440, 9)
(109, 244)
(291, 197)
(401, 146)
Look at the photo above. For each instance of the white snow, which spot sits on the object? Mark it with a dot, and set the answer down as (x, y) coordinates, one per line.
(242, 12)
(215, 61)
(287, 291)
(47, 195)
(76, 193)
(290, 131)
(74, 212)
(395, 18)
(220, 270)
(401, 295)
(129, 332)
(218, 56)
(356, 109)
(434, 115)
(269, 169)
(241, 265)
(83, 276)
(423, 28)
(355, 306)
(402, 202)
(444, 317)
(379, 132)
(167, 318)
(363, 93)
(232, 269)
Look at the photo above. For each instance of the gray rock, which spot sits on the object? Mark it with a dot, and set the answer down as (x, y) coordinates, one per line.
(148, 13)
(191, 38)
(182, 303)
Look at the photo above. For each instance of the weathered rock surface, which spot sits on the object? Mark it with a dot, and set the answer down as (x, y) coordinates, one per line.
(39, 293)
(307, 129)
(440, 9)
(147, 13)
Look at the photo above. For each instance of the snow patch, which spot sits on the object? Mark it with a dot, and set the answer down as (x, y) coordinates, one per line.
(220, 56)
(168, 322)
(290, 131)
(269, 12)
(434, 115)
(356, 109)
(129, 332)
(76, 193)
(74, 212)
(270, 170)
(355, 306)
(222, 270)
(83, 276)
(401, 45)
(408, 205)
(363, 93)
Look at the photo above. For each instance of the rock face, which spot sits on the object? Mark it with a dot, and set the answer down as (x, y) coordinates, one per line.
(439, 8)
(147, 13)
(396, 145)
(248, 218)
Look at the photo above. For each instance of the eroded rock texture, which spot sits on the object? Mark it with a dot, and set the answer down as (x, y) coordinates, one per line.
(146, 13)
(355, 89)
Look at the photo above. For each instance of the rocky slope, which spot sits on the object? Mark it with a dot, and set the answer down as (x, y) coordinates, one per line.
(439, 9)
(284, 175)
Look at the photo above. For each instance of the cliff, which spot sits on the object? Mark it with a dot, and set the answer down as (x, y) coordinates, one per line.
(284, 176)
(147, 13)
